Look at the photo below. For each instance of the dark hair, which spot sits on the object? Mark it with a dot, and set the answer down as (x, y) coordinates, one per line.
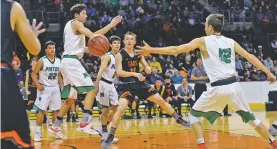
(114, 38)
(167, 77)
(130, 33)
(216, 21)
(49, 43)
(77, 9)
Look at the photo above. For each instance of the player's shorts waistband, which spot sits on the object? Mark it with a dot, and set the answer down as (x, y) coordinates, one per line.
(107, 81)
(71, 56)
(224, 81)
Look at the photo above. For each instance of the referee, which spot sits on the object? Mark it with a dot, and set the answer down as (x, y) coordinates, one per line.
(199, 76)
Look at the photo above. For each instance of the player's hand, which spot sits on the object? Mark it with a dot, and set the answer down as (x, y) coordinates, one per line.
(148, 70)
(271, 78)
(36, 28)
(140, 76)
(40, 87)
(116, 20)
(28, 92)
(145, 49)
(169, 99)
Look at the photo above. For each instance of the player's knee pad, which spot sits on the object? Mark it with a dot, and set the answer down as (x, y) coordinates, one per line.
(254, 123)
(193, 119)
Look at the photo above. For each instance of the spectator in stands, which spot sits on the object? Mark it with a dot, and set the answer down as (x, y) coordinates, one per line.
(153, 77)
(16, 60)
(162, 91)
(199, 76)
(19, 75)
(155, 65)
(274, 46)
(257, 75)
(171, 91)
(268, 63)
(184, 92)
(170, 71)
(260, 51)
(239, 66)
(275, 65)
(176, 78)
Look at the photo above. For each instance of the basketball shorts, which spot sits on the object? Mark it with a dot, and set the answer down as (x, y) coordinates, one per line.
(51, 97)
(212, 102)
(31, 98)
(75, 77)
(15, 131)
(130, 90)
(107, 94)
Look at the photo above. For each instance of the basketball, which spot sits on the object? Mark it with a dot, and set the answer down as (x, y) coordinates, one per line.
(98, 45)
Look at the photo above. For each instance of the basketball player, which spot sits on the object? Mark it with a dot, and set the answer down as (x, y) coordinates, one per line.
(273, 128)
(30, 86)
(76, 78)
(107, 95)
(218, 54)
(15, 131)
(47, 79)
(132, 84)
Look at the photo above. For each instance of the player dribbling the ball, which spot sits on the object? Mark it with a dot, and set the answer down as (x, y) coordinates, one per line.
(76, 78)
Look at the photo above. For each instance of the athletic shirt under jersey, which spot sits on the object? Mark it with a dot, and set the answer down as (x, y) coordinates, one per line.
(31, 81)
(48, 76)
(73, 44)
(109, 74)
(220, 64)
(129, 64)
(8, 35)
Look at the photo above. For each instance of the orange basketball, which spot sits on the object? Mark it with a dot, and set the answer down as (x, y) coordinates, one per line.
(98, 45)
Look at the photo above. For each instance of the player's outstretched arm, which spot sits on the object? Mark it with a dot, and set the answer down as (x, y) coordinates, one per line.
(104, 64)
(35, 75)
(21, 25)
(255, 61)
(78, 26)
(171, 50)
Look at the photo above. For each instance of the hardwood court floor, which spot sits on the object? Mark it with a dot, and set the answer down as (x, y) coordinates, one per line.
(163, 133)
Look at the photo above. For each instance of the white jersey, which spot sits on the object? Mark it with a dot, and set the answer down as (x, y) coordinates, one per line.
(220, 63)
(48, 76)
(109, 73)
(73, 44)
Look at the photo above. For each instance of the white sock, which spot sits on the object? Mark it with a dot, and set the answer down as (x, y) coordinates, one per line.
(275, 123)
(38, 128)
(200, 141)
(271, 139)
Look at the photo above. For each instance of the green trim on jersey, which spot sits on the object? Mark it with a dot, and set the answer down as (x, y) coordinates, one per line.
(71, 56)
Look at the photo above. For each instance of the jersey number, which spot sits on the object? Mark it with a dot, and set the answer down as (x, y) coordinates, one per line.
(133, 69)
(52, 76)
(225, 55)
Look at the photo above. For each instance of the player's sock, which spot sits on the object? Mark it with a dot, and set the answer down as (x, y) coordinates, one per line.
(175, 116)
(104, 128)
(86, 115)
(38, 128)
(271, 139)
(58, 121)
(112, 132)
(200, 141)
(274, 124)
